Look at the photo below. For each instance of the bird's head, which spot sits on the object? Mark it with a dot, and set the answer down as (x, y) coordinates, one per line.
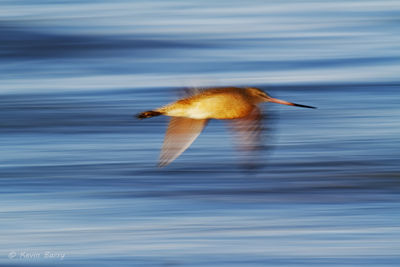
(260, 96)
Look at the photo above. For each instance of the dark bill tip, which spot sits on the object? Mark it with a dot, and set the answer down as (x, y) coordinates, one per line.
(303, 106)
(279, 101)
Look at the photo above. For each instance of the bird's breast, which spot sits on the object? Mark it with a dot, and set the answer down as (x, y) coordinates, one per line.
(222, 106)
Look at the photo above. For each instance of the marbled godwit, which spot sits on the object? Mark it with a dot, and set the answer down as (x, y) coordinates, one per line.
(190, 115)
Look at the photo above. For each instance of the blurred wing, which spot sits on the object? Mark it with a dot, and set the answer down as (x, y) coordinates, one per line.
(248, 130)
(188, 92)
(180, 135)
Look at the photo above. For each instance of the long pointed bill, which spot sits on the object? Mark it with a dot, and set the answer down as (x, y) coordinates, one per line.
(275, 100)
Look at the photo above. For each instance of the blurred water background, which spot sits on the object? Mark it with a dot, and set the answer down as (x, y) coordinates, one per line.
(78, 177)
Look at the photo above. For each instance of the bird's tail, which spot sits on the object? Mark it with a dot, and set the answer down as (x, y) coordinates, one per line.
(148, 114)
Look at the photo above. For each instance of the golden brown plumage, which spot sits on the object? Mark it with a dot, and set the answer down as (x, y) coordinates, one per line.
(220, 103)
(190, 116)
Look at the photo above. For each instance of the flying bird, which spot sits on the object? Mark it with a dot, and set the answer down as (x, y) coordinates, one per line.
(190, 115)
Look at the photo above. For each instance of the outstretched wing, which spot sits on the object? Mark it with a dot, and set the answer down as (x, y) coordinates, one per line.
(248, 131)
(180, 135)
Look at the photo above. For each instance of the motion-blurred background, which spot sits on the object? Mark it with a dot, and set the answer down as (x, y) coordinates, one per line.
(77, 171)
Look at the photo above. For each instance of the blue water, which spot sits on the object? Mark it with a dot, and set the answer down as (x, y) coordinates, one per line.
(79, 184)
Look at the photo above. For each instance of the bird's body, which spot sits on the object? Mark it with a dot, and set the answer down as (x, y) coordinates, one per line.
(190, 115)
(219, 103)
